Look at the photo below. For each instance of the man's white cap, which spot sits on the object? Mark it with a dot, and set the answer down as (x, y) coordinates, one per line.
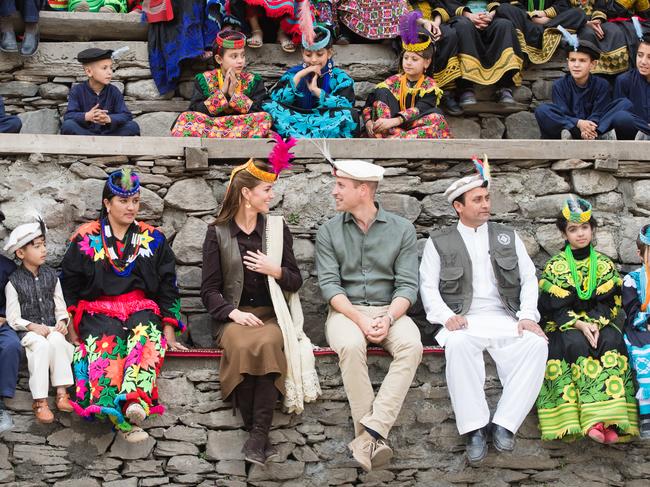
(358, 170)
(23, 234)
(351, 168)
(468, 183)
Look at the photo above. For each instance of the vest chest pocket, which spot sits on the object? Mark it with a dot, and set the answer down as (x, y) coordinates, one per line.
(507, 270)
(450, 278)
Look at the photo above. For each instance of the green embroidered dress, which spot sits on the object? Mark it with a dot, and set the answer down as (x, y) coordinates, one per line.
(584, 386)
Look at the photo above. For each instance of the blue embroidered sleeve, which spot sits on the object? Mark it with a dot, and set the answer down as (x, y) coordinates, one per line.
(285, 90)
(342, 95)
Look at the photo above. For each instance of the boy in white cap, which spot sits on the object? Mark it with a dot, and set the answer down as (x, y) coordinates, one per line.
(367, 271)
(36, 311)
(477, 280)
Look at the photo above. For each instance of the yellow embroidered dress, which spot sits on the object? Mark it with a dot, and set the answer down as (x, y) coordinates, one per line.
(583, 385)
(213, 114)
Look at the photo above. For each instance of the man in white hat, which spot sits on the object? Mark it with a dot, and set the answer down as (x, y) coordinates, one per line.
(367, 271)
(477, 280)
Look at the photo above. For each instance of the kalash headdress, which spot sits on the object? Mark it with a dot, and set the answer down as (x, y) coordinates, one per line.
(577, 210)
(279, 158)
(308, 29)
(645, 236)
(463, 185)
(25, 233)
(229, 39)
(580, 45)
(124, 183)
(414, 38)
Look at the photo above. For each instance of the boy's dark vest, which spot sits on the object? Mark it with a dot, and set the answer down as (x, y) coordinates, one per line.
(456, 267)
(36, 294)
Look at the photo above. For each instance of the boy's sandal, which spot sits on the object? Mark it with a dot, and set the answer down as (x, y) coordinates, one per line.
(256, 39)
(63, 403)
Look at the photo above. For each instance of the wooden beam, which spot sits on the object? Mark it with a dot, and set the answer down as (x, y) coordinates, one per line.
(235, 149)
(88, 26)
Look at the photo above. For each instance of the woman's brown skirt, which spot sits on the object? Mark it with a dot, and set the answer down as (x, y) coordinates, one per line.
(252, 350)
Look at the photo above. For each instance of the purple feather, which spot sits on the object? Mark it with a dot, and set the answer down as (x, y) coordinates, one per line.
(408, 27)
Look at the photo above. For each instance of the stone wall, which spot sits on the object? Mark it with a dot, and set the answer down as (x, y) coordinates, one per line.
(36, 88)
(198, 441)
(526, 194)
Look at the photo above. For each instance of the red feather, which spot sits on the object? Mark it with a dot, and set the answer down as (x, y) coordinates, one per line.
(280, 157)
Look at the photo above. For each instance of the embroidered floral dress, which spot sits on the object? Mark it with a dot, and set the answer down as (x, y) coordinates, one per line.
(296, 112)
(215, 115)
(120, 293)
(637, 334)
(416, 103)
(584, 386)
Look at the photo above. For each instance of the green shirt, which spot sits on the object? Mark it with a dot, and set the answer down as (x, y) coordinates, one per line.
(370, 269)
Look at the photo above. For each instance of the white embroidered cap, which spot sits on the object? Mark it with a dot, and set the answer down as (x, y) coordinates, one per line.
(463, 185)
(23, 234)
(358, 170)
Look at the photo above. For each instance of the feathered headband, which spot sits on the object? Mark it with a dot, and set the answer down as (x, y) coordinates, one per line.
(413, 40)
(577, 211)
(124, 183)
(322, 44)
(230, 39)
(280, 159)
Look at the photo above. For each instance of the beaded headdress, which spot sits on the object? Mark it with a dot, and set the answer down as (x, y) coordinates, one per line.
(230, 39)
(414, 39)
(645, 236)
(280, 158)
(124, 183)
(317, 45)
(577, 211)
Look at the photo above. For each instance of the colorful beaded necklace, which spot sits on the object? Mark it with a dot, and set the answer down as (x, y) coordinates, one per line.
(593, 268)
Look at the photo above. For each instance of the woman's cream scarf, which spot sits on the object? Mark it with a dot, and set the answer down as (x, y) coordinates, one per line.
(301, 382)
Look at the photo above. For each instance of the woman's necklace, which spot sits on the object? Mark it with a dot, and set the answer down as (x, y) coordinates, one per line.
(593, 268)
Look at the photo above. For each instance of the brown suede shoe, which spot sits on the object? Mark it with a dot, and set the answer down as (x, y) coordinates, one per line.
(63, 403)
(382, 454)
(42, 411)
(362, 448)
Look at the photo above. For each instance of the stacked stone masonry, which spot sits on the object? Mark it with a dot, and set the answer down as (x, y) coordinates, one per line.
(198, 440)
(36, 88)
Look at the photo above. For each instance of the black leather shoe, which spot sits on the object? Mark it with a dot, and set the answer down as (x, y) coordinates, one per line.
(451, 106)
(476, 447)
(8, 42)
(29, 45)
(502, 439)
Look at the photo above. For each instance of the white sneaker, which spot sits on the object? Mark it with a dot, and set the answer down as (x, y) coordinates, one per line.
(611, 135)
(566, 135)
(641, 136)
(135, 413)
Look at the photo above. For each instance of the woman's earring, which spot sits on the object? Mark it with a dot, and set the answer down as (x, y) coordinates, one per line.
(330, 66)
(304, 65)
(248, 205)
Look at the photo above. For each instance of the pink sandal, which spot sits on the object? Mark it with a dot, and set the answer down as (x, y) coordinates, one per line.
(597, 433)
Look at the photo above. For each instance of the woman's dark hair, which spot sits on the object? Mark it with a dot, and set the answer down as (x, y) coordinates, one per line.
(107, 194)
(561, 223)
(639, 244)
(232, 200)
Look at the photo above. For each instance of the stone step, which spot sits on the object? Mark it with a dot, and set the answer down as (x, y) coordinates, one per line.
(232, 149)
(88, 26)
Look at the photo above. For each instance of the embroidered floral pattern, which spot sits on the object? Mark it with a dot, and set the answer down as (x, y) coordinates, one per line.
(249, 126)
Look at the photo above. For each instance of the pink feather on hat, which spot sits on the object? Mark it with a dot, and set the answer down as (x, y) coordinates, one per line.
(280, 157)
(307, 22)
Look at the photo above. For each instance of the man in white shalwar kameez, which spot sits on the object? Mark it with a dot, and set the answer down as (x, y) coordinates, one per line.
(477, 280)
